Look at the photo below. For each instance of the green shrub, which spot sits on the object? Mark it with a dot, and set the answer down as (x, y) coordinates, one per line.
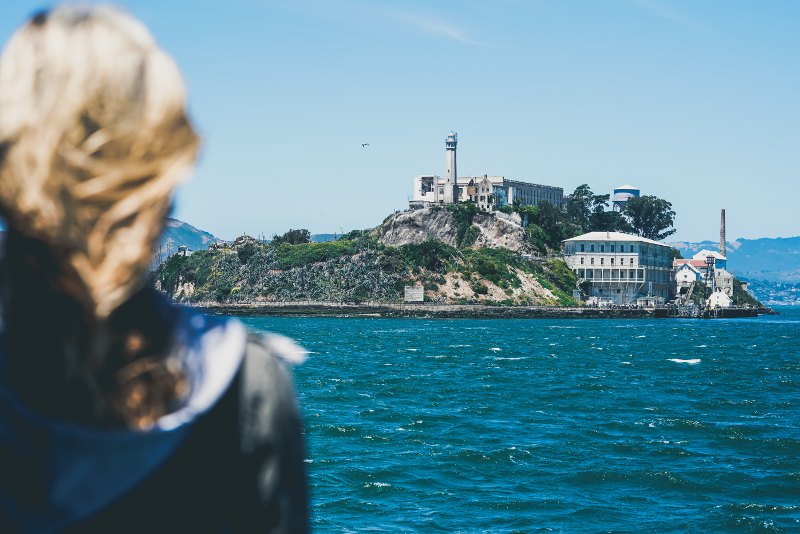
(480, 288)
(532, 213)
(463, 213)
(291, 256)
(537, 237)
(246, 252)
(391, 260)
(223, 289)
(559, 273)
(742, 297)
(292, 237)
(400, 286)
(178, 269)
(428, 254)
(470, 236)
(492, 264)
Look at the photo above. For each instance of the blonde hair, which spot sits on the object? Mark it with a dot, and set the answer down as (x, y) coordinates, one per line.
(94, 137)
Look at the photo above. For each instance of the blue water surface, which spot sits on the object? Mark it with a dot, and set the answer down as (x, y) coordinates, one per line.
(679, 425)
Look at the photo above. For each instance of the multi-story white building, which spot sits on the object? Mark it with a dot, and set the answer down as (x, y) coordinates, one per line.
(621, 267)
(466, 187)
(430, 189)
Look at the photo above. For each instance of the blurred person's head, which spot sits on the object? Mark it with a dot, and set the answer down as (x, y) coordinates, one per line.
(94, 137)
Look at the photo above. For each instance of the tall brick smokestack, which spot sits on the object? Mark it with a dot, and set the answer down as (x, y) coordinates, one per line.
(722, 235)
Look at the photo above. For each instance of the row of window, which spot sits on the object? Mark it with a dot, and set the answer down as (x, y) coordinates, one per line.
(645, 249)
(602, 261)
(659, 277)
(631, 248)
(606, 274)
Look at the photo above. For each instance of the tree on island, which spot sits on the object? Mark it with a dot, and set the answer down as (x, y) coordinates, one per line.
(650, 217)
(292, 237)
(588, 211)
(580, 206)
(549, 217)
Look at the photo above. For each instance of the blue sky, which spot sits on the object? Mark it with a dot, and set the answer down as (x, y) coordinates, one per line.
(694, 102)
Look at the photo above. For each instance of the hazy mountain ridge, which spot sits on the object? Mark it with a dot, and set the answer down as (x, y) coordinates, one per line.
(178, 233)
(774, 259)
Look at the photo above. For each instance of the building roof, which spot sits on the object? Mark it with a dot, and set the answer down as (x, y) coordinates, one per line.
(627, 186)
(613, 236)
(693, 263)
(703, 254)
(687, 264)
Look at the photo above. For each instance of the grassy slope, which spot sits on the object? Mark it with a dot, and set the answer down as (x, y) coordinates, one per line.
(356, 268)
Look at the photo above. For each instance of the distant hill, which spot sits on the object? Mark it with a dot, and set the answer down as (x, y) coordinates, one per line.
(772, 259)
(178, 233)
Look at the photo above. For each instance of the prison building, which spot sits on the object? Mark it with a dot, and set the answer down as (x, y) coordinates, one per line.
(620, 267)
(431, 189)
(496, 190)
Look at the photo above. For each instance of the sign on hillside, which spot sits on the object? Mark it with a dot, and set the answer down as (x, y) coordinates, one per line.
(415, 294)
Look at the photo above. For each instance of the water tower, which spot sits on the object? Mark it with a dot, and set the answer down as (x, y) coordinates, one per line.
(622, 194)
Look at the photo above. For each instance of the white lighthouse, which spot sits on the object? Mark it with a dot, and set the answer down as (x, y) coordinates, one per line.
(450, 173)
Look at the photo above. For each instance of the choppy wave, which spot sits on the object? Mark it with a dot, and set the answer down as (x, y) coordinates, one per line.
(486, 427)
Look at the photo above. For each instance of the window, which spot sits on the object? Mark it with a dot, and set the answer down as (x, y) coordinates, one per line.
(612, 261)
(592, 248)
(602, 260)
(592, 261)
(631, 261)
(581, 261)
(612, 248)
(602, 248)
(582, 246)
(622, 248)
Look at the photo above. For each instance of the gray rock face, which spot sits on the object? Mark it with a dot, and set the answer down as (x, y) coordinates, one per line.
(418, 226)
(512, 217)
(499, 233)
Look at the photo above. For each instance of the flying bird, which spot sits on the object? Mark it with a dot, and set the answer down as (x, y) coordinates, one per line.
(364, 144)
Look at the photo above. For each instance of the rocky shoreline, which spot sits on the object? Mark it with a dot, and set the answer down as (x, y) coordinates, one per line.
(444, 311)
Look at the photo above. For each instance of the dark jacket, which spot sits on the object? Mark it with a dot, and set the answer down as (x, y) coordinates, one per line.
(231, 462)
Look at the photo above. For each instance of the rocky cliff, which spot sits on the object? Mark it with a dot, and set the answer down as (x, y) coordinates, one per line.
(483, 230)
(496, 232)
(415, 227)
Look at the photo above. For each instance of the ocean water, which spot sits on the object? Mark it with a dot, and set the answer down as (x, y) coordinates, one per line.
(417, 425)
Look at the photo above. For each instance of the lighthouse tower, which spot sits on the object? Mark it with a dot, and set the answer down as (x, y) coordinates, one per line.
(450, 173)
